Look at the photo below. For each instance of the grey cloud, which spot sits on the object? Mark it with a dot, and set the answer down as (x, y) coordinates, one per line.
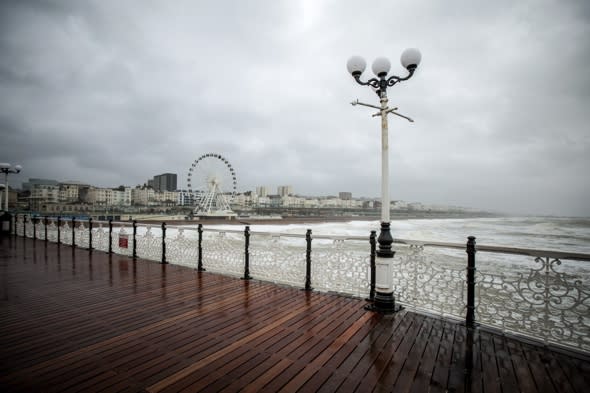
(114, 92)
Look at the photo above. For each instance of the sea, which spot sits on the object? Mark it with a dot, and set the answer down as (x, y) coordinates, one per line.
(564, 234)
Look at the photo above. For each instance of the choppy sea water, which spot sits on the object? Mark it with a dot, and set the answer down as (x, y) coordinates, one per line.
(546, 233)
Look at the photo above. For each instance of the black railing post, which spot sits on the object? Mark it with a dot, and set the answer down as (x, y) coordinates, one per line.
(247, 254)
(164, 243)
(470, 318)
(73, 232)
(110, 235)
(308, 261)
(24, 225)
(134, 239)
(46, 221)
(33, 219)
(58, 230)
(90, 234)
(200, 249)
(11, 226)
(373, 243)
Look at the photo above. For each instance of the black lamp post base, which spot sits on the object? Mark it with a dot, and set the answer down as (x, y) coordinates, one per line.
(384, 303)
(385, 240)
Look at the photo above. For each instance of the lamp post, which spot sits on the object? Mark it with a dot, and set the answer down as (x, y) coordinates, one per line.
(6, 168)
(384, 300)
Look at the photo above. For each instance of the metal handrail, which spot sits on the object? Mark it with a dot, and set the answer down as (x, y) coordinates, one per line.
(502, 250)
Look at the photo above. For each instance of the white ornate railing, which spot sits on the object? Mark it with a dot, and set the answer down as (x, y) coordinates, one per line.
(423, 283)
(278, 258)
(341, 264)
(549, 300)
(544, 295)
(183, 247)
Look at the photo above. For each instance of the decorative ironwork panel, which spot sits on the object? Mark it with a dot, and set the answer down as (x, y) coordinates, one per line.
(182, 247)
(66, 233)
(52, 231)
(81, 235)
(421, 284)
(149, 244)
(20, 225)
(279, 259)
(29, 231)
(223, 252)
(543, 303)
(41, 230)
(100, 236)
(341, 266)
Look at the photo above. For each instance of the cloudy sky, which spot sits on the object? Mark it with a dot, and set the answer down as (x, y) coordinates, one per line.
(115, 92)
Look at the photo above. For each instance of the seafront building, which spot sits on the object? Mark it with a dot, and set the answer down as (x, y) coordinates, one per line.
(285, 190)
(164, 182)
(262, 191)
(51, 196)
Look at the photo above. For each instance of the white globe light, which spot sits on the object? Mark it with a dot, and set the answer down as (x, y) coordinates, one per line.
(356, 65)
(381, 66)
(410, 58)
(4, 165)
(18, 168)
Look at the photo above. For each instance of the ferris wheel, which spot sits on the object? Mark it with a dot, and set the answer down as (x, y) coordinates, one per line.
(213, 179)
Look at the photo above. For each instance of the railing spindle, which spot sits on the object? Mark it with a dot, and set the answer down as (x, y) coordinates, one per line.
(164, 243)
(58, 230)
(373, 243)
(470, 317)
(134, 239)
(110, 235)
(246, 254)
(308, 261)
(200, 249)
(90, 234)
(46, 221)
(73, 232)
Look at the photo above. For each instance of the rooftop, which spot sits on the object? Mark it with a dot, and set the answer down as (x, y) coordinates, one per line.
(79, 321)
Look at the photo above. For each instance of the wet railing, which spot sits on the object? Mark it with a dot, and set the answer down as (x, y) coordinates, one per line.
(544, 295)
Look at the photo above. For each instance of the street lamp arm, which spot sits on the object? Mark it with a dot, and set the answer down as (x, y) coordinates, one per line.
(400, 115)
(357, 102)
(373, 82)
(392, 80)
(383, 83)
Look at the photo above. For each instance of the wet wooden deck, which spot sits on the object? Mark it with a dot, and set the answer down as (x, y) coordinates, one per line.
(79, 322)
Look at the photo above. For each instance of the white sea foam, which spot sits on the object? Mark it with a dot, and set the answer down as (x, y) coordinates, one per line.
(559, 234)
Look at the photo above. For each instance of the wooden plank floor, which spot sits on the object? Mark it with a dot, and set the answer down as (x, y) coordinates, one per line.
(79, 322)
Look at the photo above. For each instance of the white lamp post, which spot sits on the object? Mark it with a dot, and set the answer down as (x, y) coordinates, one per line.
(6, 169)
(384, 300)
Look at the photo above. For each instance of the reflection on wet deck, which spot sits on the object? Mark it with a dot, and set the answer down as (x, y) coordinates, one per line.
(75, 321)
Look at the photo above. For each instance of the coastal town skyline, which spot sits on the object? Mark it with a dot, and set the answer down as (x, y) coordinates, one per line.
(109, 93)
(62, 193)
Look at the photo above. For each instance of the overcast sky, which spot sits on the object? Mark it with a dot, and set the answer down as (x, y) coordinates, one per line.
(115, 92)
